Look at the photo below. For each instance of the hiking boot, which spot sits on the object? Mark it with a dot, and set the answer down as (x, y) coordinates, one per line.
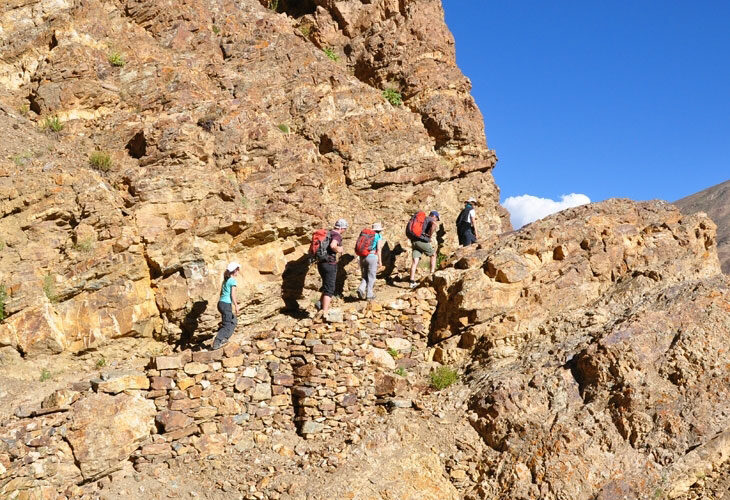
(371, 298)
(318, 305)
(361, 295)
(414, 284)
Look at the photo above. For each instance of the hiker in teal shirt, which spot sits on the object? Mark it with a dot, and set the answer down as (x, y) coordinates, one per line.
(227, 306)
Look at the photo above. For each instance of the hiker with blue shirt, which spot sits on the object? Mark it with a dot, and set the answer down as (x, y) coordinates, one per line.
(369, 248)
(227, 306)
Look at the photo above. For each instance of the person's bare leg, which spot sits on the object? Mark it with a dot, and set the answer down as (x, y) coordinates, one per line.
(326, 299)
(413, 268)
(433, 263)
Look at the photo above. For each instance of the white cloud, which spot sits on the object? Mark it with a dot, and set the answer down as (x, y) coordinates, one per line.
(527, 208)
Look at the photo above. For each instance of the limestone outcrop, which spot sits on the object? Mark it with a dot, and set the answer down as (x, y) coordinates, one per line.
(595, 341)
(222, 130)
(715, 202)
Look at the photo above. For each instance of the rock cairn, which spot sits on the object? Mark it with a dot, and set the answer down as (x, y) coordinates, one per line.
(319, 379)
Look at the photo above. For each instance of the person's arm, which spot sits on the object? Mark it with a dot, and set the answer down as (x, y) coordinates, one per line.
(379, 251)
(233, 301)
(336, 247)
(474, 222)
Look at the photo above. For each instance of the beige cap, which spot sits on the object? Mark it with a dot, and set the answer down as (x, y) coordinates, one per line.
(377, 226)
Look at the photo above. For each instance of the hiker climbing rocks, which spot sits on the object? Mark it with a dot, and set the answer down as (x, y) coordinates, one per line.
(369, 247)
(227, 305)
(419, 230)
(466, 227)
(324, 249)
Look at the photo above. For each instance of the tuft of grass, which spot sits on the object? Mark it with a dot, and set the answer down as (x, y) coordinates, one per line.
(284, 128)
(443, 377)
(116, 59)
(45, 375)
(49, 288)
(274, 5)
(22, 159)
(84, 245)
(394, 354)
(24, 109)
(400, 371)
(100, 160)
(3, 300)
(52, 123)
(216, 29)
(330, 52)
(440, 260)
(305, 29)
(101, 362)
(393, 97)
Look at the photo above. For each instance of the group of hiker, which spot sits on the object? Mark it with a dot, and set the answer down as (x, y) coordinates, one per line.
(327, 245)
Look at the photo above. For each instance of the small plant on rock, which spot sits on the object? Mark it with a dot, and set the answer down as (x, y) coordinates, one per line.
(393, 352)
(443, 377)
(274, 5)
(393, 97)
(400, 371)
(101, 362)
(116, 59)
(45, 375)
(84, 245)
(3, 300)
(305, 29)
(24, 109)
(52, 123)
(330, 52)
(49, 288)
(101, 161)
(284, 128)
(440, 260)
(216, 29)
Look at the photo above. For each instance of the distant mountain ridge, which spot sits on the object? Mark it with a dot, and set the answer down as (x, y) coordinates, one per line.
(715, 201)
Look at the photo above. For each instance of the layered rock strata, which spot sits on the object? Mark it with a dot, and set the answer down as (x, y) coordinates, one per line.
(596, 338)
(230, 134)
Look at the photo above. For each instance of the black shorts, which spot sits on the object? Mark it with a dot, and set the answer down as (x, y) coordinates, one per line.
(328, 272)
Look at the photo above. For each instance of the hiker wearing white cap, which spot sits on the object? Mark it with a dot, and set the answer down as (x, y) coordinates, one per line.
(328, 267)
(369, 247)
(227, 305)
(466, 227)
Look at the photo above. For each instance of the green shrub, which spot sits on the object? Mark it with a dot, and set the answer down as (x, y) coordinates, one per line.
(84, 245)
(330, 52)
(284, 128)
(400, 371)
(45, 375)
(393, 353)
(3, 300)
(443, 377)
(116, 59)
(393, 97)
(216, 29)
(101, 362)
(274, 5)
(99, 160)
(24, 109)
(49, 288)
(52, 123)
(22, 159)
(440, 260)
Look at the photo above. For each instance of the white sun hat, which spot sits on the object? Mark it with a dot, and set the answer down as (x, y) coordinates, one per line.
(377, 226)
(232, 267)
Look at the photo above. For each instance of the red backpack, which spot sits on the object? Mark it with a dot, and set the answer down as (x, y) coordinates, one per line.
(364, 242)
(321, 239)
(414, 229)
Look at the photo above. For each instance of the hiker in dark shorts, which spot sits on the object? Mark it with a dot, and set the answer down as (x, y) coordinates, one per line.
(328, 268)
(423, 246)
(466, 227)
(227, 306)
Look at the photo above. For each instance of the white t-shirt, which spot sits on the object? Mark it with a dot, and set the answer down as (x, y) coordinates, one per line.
(472, 215)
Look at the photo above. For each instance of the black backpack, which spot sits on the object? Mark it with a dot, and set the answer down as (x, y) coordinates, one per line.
(463, 218)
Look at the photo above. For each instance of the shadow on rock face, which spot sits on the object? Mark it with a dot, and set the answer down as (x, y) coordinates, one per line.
(190, 324)
(292, 286)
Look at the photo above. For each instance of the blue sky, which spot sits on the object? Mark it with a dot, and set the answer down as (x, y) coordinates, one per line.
(608, 99)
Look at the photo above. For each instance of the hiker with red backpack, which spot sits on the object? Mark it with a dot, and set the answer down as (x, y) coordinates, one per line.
(323, 250)
(419, 230)
(369, 247)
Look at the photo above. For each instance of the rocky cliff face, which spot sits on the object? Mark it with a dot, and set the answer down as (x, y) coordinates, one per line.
(714, 201)
(230, 134)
